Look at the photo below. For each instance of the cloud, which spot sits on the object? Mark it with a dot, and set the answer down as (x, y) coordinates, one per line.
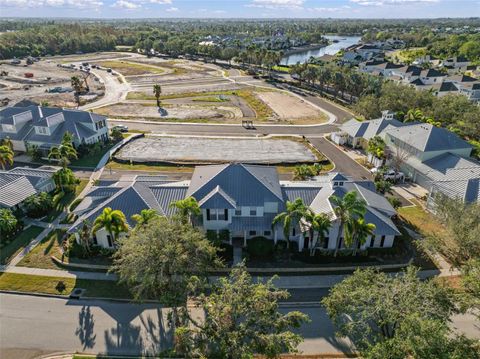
(331, 9)
(124, 4)
(219, 12)
(161, 2)
(277, 4)
(390, 2)
(84, 4)
(172, 9)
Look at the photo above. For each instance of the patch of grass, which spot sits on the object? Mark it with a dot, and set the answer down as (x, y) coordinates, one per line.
(262, 110)
(211, 99)
(18, 243)
(39, 257)
(150, 167)
(281, 68)
(420, 220)
(91, 160)
(131, 68)
(53, 285)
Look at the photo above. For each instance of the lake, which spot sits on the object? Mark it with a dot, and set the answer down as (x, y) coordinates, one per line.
(303, 56)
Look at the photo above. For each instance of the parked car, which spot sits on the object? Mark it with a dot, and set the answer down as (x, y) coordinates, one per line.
(121, 128)
(393, 176)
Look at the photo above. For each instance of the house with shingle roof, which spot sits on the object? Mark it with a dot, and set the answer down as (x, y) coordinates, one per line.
(45, 126)
(241, 199)
(21, 182)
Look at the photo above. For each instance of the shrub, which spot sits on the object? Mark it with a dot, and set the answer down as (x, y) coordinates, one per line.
(224, 235)
(57, 198)
(260, 247)
(38, 205)
(75, 203)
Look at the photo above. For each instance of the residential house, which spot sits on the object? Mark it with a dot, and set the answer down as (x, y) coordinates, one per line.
(241, 199)
(45, 126)
(457, 63)
(356, 133)
(21, 182)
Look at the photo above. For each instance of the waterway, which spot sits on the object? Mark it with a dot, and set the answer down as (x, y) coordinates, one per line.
(303, 56)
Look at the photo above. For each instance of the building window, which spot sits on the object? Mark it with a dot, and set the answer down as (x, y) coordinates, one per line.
(95, 241)
(382, 242)
(253, 211)
(372, 241)
(340, 242)
(340, 183)
(325, 243)
(238, 212)
(252, 233)
(267, 233)
(293, 231)
(335, 183)
(109, 239)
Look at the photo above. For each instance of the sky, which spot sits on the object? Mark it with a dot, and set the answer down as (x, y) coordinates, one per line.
(240, 8)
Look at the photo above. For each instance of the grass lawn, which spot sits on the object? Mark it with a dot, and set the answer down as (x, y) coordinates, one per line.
(149, 167)
(281, 68)
(50, 285)
(65, 201)
(211, 99)
(420, 220)
(91, 160)
(39, 257)
(130, 68)
(18, 243)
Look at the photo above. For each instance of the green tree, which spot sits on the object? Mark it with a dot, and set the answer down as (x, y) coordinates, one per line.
(162, 259)
(459, 241)
(187, 209)
(320, 224)
(85, 236)
(63, 153)
(65, 180)
(6, 156)
(471, 283)
(242, 319)
(370, 306)
(7, 142)
(113, 221)
(376, 147)
(8, 222)
(358, 230)
(157, 91)
(292, 215)
(347, 209)
(39, 204)
(34, 152)
(116, 134)
(145, 216)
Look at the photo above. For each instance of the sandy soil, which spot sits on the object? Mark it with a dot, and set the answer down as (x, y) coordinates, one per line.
(46, 75)
(187, 112)
(289, 107)
(208, 150)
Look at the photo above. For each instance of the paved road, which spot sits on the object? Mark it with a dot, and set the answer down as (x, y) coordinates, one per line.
(219, 130)
(35, 325)
(343, 163)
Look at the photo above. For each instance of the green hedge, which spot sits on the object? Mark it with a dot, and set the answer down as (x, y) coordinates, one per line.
(260, 247)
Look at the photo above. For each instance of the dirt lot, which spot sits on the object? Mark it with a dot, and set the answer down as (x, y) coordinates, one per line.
(46, 75)
(289, 107)
(219, 112)
(211, 150)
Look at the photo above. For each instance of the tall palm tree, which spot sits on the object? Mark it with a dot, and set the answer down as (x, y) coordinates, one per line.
(414, 115)
(358, 231)
(292, 215)
(145, 216)
(347, 208)
(113, 221)
(157, 91)
(6, 156)
(63, 154)
(77, 88)
(187, 209)
(67, 138)
(319, 223)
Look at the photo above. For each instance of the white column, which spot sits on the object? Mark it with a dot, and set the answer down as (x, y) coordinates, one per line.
(275, 236)
(301, 242)
(244, 238)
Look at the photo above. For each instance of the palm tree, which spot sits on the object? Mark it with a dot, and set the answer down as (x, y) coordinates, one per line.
(321, 224)
(145, 216)
(7, 142)
(347, 209)
(84, 236)
(294, 212)
(414, 115)
(187, 208)
(6, 156)
(65, 178)
(8, 222)
(63, 154)
(358, 231)
(157, 91)
(67, 138)
(113, 221)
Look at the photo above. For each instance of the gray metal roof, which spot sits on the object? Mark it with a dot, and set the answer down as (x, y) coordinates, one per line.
(217, 198)
(307, 194)
(426, 137)
(252, 223)
(247, 185)
(167, 194)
